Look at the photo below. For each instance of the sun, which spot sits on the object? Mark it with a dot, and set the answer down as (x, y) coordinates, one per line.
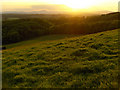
(79, 4)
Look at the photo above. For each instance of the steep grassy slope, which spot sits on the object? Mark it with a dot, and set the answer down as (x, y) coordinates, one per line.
(89, 61)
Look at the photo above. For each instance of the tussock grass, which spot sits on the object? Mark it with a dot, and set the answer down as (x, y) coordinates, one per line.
(89, 61)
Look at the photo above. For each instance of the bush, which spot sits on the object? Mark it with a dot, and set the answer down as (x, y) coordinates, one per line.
(23, 29)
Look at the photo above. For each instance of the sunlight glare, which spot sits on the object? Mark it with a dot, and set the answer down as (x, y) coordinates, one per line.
(79, 4)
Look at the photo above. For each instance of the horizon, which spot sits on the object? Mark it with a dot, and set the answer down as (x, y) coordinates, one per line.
(59, 7)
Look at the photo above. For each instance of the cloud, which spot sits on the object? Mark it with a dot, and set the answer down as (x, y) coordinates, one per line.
(50, 7)
(40, 9)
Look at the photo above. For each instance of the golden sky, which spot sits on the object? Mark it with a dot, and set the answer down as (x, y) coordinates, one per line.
(59, 5)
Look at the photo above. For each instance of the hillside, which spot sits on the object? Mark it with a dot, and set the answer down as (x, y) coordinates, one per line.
(17, 30)
(89, 61)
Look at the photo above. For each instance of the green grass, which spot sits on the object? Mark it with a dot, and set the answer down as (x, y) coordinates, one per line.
(41, 39)
(89, 61)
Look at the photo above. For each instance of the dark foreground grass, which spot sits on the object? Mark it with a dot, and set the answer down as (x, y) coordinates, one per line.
(89, 61)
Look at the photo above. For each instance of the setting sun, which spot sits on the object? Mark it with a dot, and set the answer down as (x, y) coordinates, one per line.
(80, 4)
(59, 6)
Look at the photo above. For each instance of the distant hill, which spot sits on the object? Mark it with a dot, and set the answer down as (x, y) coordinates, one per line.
(42, 15)
(19, 27)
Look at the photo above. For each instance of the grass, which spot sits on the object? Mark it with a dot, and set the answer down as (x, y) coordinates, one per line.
(89, 61)
(41, 39)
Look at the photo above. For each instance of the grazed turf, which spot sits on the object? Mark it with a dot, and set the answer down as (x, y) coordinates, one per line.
(89, 61)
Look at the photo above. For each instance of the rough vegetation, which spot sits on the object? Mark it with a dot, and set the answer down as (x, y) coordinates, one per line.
(89, 61)
(28, 28)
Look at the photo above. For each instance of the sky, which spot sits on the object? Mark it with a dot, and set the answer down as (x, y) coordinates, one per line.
(57, 6)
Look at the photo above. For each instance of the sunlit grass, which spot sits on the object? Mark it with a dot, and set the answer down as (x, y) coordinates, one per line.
(89, 61)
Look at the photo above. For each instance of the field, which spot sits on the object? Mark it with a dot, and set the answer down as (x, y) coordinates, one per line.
(88, 61)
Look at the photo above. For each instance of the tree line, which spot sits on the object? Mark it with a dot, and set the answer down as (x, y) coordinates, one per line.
(23, 29)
